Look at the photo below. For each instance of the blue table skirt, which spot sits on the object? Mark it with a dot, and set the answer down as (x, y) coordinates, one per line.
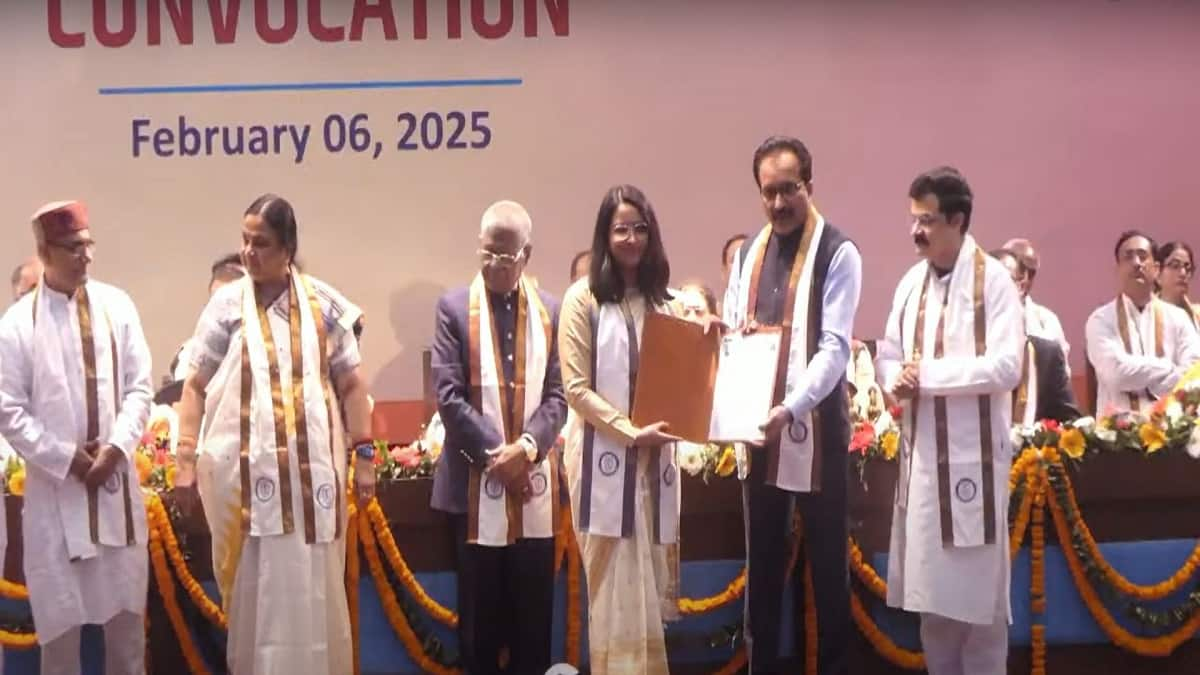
(1067, 619)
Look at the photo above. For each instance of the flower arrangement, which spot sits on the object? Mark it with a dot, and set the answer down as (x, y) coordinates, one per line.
(154, 459)
(706, 460)
(877, 437)
(415, 460)
(1170, 424)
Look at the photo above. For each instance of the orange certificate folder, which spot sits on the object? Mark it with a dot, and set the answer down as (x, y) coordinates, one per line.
(677, 369)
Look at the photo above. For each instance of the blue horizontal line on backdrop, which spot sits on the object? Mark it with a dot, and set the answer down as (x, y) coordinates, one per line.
(310, 86)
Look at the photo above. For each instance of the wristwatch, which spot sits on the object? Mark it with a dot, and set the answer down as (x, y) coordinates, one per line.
(365, 450)
(531, 452)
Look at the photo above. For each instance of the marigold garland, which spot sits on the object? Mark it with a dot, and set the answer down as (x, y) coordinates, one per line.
(865, 573)
(1162, 645)
(18, 641)
(383, 537)
(161, 522)
(1037, 591)
(575, 608)
(13, 591)
(395, 615)
(735, 589)
(883, 644)
(353, 572)
(1151, 592)
(166, 590)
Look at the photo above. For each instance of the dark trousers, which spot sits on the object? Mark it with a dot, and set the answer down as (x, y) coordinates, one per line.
(768, 518)
(505, 598)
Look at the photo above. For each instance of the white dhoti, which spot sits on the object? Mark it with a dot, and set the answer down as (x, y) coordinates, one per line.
(295, 616)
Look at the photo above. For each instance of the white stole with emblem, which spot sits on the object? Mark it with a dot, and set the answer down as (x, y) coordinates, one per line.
(609, 501)
(113, 514)
(792, 467)
(494, 517)
(970, 433)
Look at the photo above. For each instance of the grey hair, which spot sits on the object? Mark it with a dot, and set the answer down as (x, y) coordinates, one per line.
(507, 215)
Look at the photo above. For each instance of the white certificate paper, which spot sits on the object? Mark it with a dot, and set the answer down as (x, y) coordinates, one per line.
(744, 384)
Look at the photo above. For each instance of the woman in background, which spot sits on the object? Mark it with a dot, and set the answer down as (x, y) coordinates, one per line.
(1176, 265)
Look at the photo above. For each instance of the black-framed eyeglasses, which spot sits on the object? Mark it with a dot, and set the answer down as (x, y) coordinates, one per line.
(627, 231)
(787, 189)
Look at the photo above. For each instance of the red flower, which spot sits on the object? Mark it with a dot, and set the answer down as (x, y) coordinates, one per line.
(1123, 423)
(864, 435)
(161, 458)
(1159, 408)
(1052, 425)
(895, 411)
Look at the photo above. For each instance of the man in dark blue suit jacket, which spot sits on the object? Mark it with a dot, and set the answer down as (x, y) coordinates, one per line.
(505, 593)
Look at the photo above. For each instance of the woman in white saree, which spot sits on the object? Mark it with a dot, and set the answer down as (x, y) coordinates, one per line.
(274, 370)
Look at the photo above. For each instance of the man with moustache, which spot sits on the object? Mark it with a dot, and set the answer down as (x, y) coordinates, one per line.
(800, 276)
(1139, 345)
(952, 355)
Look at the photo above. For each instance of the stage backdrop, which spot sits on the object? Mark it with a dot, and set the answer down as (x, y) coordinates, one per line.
(392, 124)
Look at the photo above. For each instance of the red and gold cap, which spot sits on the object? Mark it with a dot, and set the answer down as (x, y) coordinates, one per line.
(59, 219)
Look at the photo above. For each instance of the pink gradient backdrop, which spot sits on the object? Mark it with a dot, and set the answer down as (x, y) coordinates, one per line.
(1073, 120)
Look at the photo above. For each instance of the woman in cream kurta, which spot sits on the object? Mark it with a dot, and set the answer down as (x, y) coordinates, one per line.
(632, 581)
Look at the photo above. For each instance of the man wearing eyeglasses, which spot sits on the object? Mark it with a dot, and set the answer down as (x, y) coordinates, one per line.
(1138, 345)
(1040, 321)
(74, 398)
(800, 276)
(500, 397)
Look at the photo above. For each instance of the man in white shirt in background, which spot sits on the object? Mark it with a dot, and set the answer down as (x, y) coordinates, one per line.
(1039, 320)
(1138, 345)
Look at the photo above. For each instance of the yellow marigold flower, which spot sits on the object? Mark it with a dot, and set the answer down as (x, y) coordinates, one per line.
(144, 467)
(170, 476)
(1152, 437)
(1072, 442)
(727, 463)
(890, 443)
(16, 482)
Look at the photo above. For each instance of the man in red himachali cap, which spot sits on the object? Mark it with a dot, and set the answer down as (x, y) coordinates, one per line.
(64, 243)
(74, 397)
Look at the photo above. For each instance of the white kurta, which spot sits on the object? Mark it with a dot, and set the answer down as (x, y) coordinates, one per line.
(1139, 370)
(1043, 323)
(968, 580)
(65, 593)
